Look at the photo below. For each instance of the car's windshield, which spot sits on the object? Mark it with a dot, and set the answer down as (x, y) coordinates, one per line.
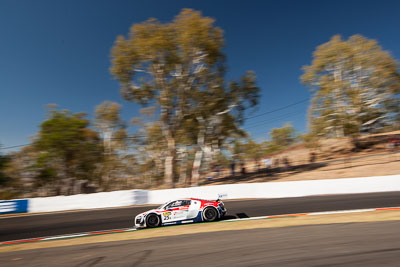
(174, 204)
(161, 207)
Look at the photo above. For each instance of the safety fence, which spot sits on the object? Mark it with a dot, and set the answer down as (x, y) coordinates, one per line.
(228, 191)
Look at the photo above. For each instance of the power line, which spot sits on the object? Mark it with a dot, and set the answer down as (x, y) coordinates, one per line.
(257, 123)
(278, 109)
(114, 138)
(283, 116)
(9, 147)
(251, 117)
(263, 130)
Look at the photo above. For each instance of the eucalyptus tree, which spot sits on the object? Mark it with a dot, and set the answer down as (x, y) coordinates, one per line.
(108, 120)
(284, 136)
(4, 161)
(68, 149)
(354, 82)
(169, 65)
(219, 112)
(149, 147)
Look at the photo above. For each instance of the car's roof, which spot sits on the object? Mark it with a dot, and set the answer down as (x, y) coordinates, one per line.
(191, 198)
(199, 199)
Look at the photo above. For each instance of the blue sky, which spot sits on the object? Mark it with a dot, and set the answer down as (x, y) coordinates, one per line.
(58, 51)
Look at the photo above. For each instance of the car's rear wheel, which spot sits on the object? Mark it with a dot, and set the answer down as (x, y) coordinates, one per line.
(152, 221)
(210, 214)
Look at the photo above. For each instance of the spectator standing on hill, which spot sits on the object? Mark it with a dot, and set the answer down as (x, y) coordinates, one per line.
(393, 144)
(286, 162)
(217, 169)
(233, 165)
(243, 168)
(277, 162)
(312, 157)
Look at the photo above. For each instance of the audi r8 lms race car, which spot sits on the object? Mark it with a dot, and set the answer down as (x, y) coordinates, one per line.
(180, 211)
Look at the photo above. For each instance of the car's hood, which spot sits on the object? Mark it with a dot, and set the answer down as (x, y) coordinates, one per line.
(149, 211)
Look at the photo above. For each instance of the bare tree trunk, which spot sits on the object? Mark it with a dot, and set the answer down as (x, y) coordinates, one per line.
(183, 166)
(198, 157)
(196, 167)
(159, 162)
(170, 162)
(208, 156)
(215, 147)
(107, 141)
(339, 131)
(68, 178)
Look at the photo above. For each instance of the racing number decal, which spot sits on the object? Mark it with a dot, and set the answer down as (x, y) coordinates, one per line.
(167, 216)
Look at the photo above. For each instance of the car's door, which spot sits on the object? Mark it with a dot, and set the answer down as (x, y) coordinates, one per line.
(166, 215)
(176, 211)
(194, 209)
(182, 212)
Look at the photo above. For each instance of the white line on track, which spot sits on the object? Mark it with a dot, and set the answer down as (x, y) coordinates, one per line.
(340, 211)
(311, 213)
(62, 236)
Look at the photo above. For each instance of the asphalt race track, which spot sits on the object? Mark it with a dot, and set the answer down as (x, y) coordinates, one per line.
(14, 228)
(350, 244)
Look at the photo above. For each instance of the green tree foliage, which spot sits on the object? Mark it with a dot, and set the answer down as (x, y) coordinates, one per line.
(283, 137)
(4, 178)
(218, 112)
(150, 147)
(254, 151)
(151, 151)
(355, 82)
(68, 149)
(163, 63)
(109, 122)
(237, 150)
(46, 171)
(310, 141)
(18, 171)
(179, 67)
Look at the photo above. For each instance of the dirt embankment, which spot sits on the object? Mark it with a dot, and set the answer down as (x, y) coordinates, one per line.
(373, 155)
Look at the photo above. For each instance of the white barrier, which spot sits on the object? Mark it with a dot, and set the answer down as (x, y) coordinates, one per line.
(229, 191)
(282, 189)
(82, 201)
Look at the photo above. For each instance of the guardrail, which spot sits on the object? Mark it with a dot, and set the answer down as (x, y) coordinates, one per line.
(228, 191)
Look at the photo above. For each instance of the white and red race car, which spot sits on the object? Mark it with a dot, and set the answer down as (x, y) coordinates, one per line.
(187, 210)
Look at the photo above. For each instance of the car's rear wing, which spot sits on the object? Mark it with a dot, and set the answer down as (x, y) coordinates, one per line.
(220, 196)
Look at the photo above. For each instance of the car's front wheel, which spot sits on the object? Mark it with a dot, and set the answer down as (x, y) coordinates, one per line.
(152, 221)
(210, 214)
